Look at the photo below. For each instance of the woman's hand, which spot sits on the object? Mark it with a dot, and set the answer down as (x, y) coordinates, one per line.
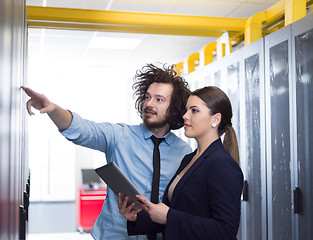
(157, 212)
(126, 211)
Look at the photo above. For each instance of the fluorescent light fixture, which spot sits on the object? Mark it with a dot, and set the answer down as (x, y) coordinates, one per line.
(114, 43)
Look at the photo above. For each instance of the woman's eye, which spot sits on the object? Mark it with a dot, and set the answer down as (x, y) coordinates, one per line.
(194, 111)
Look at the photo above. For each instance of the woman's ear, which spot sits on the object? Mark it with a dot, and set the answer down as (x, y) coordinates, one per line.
(217, 118)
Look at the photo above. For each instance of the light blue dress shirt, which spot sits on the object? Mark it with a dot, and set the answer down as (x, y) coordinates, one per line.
(131, 148)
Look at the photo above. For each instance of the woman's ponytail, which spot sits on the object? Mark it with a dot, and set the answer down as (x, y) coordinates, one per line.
(230, 143)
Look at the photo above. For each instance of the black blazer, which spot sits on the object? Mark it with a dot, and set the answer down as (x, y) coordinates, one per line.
(205, 202)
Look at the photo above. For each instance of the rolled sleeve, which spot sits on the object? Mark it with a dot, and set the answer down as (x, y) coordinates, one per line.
(74, 130)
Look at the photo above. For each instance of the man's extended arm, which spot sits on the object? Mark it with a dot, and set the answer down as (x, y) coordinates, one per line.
(61, 117)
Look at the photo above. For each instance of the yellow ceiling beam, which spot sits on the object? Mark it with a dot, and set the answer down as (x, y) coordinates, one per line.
(207, 54)
(282, 13)
(294, 10)
(191, 62)
(102, 20)
(275, 12)
(179, 68)
(253, 27)
(125, 29)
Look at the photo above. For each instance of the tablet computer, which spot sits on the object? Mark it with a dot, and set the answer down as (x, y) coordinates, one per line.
(112, 175)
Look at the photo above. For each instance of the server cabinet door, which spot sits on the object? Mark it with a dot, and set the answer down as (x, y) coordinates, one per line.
(252, 144)
(231, 76)
(212, 74)
(279, 166)
(208, 77)
(302, 36)
(231, 71)
(195, 79)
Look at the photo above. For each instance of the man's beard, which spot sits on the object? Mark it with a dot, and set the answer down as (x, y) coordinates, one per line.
(157, 124)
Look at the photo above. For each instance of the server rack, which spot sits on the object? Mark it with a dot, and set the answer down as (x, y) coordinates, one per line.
(279, 162)
(252, 142)
(302, 128)
(270, 85)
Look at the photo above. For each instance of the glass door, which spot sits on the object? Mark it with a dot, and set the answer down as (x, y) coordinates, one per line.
(279, 165)
(303, 83)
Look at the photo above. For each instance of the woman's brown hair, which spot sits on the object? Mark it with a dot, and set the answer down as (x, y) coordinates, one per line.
(218, 102)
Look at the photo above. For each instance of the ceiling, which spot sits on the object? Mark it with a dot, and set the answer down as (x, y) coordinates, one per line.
(152, 48)
(217, 8)
(61, 44)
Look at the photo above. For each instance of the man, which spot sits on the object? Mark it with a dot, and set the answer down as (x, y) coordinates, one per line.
(161, 98)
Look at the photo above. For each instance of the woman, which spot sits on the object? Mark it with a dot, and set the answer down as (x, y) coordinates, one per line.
(202, 201)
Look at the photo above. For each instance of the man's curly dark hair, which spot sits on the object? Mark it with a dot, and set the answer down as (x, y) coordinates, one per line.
(150, 74)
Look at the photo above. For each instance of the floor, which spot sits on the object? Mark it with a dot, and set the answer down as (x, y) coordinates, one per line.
(59, 236)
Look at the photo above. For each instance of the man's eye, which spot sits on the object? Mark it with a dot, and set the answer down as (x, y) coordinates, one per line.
(147, 97)
(159, 99)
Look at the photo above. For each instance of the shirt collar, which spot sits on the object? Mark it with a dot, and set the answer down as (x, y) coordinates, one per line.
(147, 134)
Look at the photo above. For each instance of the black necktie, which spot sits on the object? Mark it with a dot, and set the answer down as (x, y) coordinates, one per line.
(156, 175)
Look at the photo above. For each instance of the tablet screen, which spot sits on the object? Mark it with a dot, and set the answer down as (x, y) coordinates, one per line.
(112, 175)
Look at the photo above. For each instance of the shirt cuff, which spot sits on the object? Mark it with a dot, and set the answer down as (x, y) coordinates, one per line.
(73, 131)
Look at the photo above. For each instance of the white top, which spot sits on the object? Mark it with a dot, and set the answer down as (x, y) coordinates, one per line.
(172, 187)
